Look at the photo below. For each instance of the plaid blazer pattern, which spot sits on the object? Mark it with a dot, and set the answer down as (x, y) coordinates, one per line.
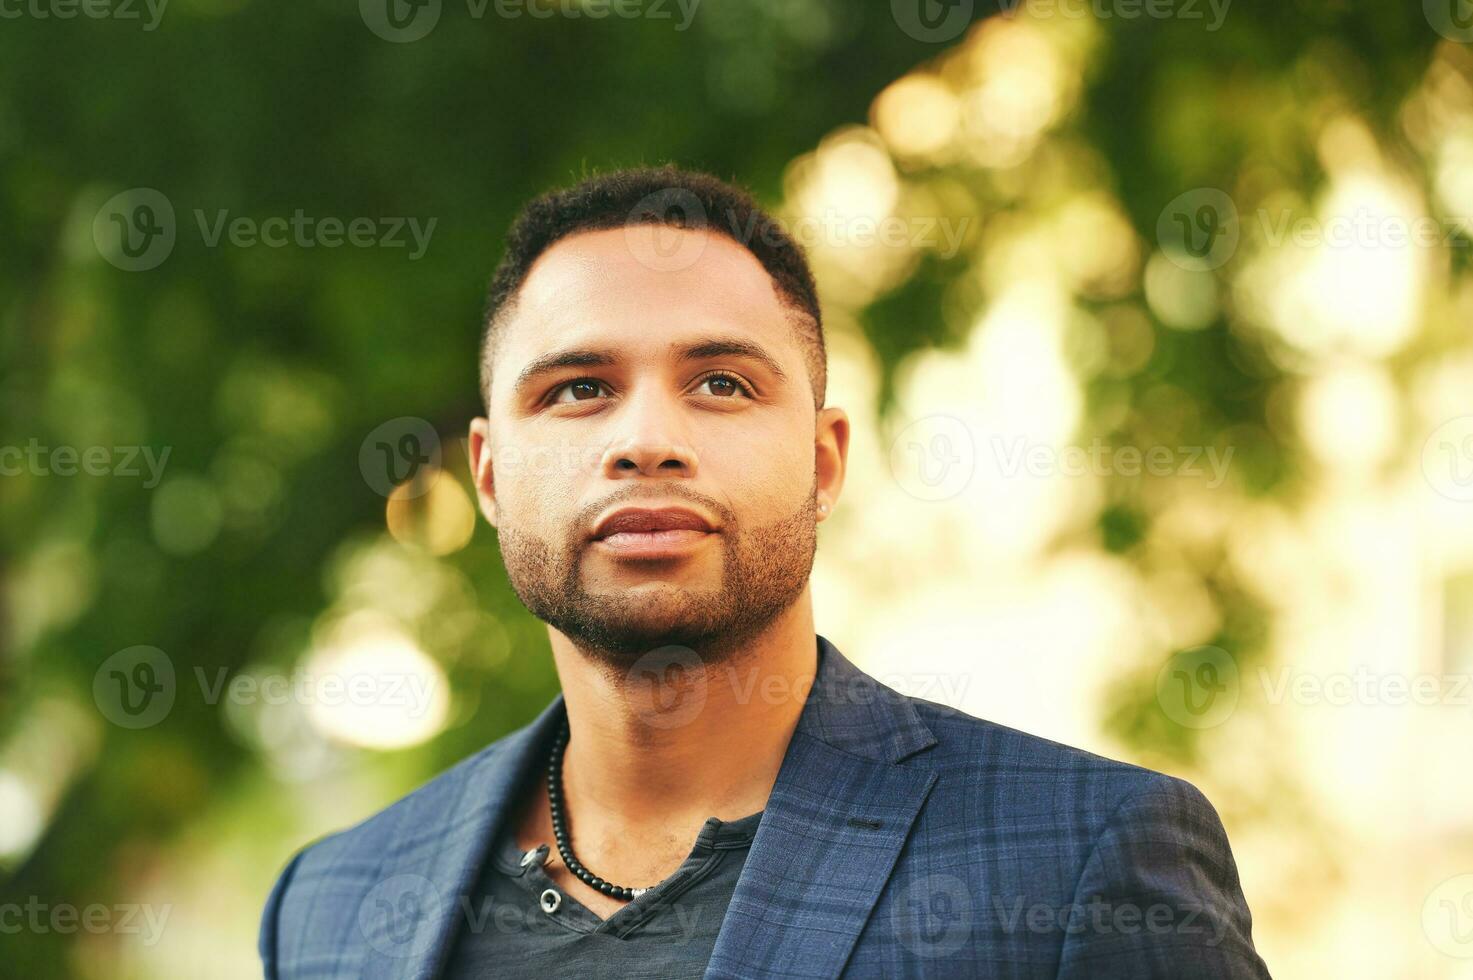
(902, 838)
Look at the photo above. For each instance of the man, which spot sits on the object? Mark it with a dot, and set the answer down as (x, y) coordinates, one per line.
(718, 791)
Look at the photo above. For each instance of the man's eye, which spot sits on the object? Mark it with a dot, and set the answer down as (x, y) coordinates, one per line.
(718, 383)
(725, 385)
(582, 389)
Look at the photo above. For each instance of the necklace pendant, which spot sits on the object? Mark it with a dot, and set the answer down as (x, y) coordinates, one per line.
(638, 891)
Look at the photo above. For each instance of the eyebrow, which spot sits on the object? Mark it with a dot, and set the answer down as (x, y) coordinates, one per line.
(699, 350)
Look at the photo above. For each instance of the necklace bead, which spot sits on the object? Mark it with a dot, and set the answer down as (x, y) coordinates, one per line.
(560, 826)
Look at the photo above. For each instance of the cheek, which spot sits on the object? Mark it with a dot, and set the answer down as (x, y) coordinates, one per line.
(537, 487)
(759, 477)
(544, 469)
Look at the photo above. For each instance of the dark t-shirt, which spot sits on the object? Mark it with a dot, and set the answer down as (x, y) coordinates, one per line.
(668, 932)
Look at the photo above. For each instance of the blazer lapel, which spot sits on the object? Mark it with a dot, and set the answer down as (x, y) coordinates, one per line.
(838, 816)
(440, 842)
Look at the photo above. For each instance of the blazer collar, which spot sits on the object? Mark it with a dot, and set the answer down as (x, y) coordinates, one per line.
(851, 711)
(838, 815)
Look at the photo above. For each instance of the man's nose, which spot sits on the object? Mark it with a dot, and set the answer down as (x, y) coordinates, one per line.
(650, 442)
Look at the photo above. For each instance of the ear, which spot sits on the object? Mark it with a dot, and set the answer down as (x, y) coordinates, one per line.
(481, 471)
(831, 453)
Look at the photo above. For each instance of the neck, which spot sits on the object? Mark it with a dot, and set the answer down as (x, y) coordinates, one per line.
(682, 741)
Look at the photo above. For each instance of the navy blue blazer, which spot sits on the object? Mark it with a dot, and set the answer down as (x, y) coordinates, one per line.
(902, 839)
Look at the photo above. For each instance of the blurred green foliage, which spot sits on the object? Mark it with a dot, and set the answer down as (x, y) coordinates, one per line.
(264, 368)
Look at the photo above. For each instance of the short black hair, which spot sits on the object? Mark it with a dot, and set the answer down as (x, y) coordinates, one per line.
(665, 195)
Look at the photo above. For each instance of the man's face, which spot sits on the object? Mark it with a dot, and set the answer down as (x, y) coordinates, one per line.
(660, 422)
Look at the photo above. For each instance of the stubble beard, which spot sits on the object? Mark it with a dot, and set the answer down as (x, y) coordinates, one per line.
(764, 570)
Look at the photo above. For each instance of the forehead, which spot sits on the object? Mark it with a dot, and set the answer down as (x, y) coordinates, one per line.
(642, 289)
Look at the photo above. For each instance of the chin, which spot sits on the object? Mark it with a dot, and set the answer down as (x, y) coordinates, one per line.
(638, 634)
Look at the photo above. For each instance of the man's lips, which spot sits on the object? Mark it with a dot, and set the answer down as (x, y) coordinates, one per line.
(651, 544)
(647, 520)
(638, 532)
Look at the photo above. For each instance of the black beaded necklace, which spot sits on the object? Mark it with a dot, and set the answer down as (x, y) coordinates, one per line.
(560, 825)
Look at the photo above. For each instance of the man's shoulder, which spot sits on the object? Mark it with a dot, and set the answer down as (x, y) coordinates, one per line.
(332, 882)
(975, 755)
(1027, 825)
(1002, 791)
(982, 765)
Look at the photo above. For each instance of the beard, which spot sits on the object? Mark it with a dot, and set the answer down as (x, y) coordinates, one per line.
(764, 570)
